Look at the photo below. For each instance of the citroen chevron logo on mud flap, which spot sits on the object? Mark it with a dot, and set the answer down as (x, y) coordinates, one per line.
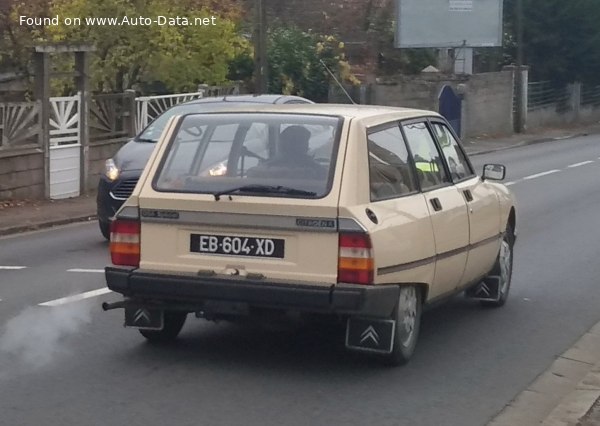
(141, 314)
(483, 290)
(369, 333)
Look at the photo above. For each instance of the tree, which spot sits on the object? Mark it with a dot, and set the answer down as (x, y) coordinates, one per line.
(180, 55)
(561, 39)
(16, 41)
(295, 62)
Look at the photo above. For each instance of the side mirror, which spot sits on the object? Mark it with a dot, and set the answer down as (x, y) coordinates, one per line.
(493, 172)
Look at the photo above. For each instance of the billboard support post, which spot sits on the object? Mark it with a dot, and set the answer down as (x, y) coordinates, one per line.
(520, 107)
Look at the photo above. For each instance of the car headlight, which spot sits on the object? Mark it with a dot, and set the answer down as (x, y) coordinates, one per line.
(111, 171)
(219, 170)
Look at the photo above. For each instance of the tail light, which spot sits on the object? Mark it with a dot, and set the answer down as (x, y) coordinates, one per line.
(355, 262)
(125, 242)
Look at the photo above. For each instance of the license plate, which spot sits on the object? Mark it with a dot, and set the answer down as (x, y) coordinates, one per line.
(237, 246)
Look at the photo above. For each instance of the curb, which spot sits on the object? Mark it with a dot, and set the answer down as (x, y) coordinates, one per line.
(579, 403)
(44, 225)
(526, 143)
(563, 395)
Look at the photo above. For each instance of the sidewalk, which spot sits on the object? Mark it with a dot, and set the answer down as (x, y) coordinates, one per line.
(28, 215)
(487, 144)
(571, 386)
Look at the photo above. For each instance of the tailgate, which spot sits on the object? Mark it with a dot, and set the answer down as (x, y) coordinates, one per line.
(286, 239)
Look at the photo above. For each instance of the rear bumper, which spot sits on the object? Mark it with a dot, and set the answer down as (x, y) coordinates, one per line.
(193, 291)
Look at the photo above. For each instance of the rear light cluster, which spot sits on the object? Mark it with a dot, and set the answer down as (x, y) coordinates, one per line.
(355, 262)
(125, 242)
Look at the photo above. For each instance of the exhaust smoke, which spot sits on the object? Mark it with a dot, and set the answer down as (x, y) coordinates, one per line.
(39, 335)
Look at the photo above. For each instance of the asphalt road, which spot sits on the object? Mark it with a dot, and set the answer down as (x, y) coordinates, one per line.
(68, 363)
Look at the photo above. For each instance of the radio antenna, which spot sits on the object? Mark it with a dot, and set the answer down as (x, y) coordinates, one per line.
(338, 82)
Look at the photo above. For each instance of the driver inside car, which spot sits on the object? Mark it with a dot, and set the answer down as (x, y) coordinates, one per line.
(292, 159)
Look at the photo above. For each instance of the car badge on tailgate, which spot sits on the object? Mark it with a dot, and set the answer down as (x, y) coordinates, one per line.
(160, 214)
(315, 223)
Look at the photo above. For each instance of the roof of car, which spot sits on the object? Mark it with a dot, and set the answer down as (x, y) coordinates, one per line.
(252, 99)
(345, 110)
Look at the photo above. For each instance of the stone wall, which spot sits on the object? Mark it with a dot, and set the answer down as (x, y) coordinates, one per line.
(488, 104)
(487, 98)
(22, 175)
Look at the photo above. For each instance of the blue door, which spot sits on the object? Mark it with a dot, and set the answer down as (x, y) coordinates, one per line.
(450, 108)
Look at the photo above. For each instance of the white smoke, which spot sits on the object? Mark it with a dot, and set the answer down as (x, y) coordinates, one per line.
(39, 335)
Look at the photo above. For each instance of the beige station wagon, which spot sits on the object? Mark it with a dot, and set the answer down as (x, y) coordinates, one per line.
(361, 213)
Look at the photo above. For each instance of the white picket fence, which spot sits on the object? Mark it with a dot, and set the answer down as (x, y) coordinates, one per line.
(150, 107)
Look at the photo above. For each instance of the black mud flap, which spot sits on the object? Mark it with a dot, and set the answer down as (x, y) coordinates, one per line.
(144, 318)
(370, 335)
(488, 289)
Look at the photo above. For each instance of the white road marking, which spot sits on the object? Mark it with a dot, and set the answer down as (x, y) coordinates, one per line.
(537, 175)
(509, 183)
(583, 163)
(94, 271)
(76, 297)
(12, 268)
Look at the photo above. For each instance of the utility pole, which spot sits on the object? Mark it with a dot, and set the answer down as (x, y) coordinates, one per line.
(519, 125)
(260, 48)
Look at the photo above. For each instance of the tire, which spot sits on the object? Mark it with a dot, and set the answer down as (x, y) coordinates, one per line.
(173, 323)
(407, 315)
(104, 229)
(503, 268)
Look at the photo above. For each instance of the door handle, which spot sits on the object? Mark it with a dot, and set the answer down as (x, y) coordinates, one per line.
(468, 195)
(435, 203)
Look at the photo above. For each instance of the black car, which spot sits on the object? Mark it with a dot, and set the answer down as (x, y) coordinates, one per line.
(124, 169)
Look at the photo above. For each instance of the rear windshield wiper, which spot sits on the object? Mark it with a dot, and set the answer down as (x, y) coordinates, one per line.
(146, 140)
(265, 189)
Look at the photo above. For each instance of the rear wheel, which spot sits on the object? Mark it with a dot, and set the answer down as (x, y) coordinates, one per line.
(407, 316)
(173, 323)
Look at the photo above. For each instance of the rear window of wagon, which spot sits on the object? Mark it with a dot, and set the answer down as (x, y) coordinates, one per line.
(257, 154)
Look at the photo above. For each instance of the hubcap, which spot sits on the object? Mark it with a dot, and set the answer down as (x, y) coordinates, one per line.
(505, 265)
(407, 314)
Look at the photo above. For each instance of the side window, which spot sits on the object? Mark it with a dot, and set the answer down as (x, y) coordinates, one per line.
(428, 163)
(389, 170)
(457, 163)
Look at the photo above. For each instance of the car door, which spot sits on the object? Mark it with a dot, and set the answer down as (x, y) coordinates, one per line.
(482, 203)
(446, 205)
(400, 228)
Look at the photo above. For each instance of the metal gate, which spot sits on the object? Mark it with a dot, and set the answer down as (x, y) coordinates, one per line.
(451, 108)
(65, 147)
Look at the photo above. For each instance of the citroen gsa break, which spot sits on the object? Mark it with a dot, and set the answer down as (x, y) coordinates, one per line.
(364, 214)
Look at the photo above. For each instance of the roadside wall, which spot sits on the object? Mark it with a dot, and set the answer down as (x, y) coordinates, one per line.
(487, 107)
(552, 106)
(488, 104)
(22, 175)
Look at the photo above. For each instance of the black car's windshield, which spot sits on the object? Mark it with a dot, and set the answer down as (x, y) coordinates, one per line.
(283, 155)
(154, 130)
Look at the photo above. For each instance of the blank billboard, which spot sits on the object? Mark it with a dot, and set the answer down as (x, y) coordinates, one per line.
(449, 23)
